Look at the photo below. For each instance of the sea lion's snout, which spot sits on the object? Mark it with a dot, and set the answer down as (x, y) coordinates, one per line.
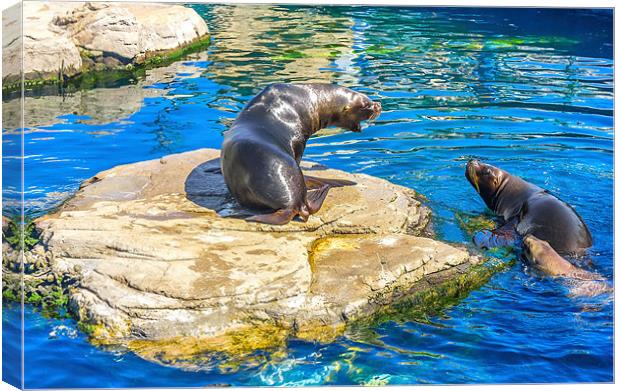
(359, 108)
(369, 109)
(376, 110)
(473, 166)
(471, 173)
(485, 178)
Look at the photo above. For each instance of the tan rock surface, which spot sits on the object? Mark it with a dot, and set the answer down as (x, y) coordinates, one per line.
(46, 46)
(158, 259)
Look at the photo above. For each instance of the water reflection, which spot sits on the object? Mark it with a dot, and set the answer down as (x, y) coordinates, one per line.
(257, 45)
(100, 105)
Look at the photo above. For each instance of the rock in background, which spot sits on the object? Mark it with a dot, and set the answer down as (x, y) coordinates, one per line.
(62, 39)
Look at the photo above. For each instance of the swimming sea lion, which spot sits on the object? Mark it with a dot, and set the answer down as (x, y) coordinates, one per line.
(263, 147)
(543, 257)
(529, 209)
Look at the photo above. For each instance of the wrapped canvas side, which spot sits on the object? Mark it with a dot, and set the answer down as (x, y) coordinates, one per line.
(12, 196)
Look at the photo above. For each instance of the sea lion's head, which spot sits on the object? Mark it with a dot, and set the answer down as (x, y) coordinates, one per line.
(351, 108)
(542, 256)
(486, 179)
(534, 248)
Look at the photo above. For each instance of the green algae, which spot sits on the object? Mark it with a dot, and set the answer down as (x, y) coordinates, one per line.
(167, 57)
(472, 223)
(10, 295)
(20, 236)
(247, 346)
(531, 41)
(93, 331)
(290, 55)
(507, 41)
(422, 304)
(27, 275)
(50, 298)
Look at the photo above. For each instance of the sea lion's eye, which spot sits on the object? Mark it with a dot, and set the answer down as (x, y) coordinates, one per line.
(346, 108)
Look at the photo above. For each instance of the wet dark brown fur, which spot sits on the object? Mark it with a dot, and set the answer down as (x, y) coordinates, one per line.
(262, 150)
(532, 209)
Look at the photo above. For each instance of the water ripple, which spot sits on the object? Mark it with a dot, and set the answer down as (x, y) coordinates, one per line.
(530, 90)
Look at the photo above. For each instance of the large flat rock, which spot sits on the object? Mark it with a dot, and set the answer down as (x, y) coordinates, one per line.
(161, 251)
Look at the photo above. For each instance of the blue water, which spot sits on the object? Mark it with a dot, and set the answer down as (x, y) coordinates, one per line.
(530, 91)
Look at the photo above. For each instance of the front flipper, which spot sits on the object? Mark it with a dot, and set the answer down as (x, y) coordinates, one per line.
(496, 238)
(313, 182)
(279, 217)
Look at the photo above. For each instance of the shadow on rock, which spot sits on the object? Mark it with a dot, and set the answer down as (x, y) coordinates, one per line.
(205, 187)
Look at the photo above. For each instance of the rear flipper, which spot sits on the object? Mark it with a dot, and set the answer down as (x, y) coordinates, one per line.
(496, 238)
(581, 288)
(318, 188)
(317, 191)
(315, 198)
(279, 217)
(313, 182)
(585, 283)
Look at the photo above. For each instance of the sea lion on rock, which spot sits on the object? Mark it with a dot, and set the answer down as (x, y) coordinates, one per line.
(528, 209)
(543, 257)
(262, 149)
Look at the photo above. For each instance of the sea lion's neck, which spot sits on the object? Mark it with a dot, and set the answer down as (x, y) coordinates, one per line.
(510, 196)
(326, 103)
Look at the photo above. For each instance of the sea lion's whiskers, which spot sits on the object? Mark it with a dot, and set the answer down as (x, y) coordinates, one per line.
(474, 177)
